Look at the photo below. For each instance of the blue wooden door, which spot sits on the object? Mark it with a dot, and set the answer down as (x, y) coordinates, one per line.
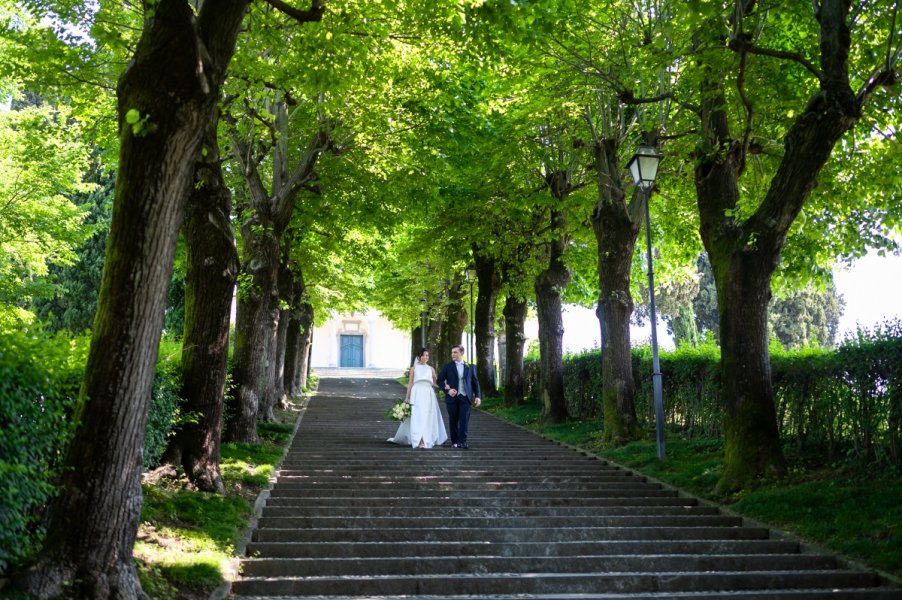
(351, 351)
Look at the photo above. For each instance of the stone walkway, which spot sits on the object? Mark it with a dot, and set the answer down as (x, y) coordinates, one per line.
(516, 516)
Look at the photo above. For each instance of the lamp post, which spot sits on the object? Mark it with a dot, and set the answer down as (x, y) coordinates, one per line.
(644, 168)
(470, 275)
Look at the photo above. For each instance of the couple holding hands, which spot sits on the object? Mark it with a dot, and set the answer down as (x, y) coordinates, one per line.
(424, 427)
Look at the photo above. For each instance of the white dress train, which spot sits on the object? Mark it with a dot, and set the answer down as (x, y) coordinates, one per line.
(425, 421)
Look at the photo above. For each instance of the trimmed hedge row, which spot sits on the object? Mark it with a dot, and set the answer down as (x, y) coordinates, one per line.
(845, 403)
(40, 377)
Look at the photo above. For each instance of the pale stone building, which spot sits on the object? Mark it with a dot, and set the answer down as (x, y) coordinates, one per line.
(360, 340)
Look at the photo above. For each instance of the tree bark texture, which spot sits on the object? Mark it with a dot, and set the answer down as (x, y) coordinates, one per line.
(305, 322)
(93, 523)
(255, 331)
(452, 326)
(209, 286)
(279, 391)
(489, 283)
(515, 310)
(745, 253)
(616, 225)
(299, 317)
(549, 286)
(256, 379)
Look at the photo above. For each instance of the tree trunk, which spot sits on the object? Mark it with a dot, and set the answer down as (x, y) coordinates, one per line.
(751, 439)
(617, 227)
(515, 337)
(502, 353)
(548, 286)
(279, 390)
(209, 286)
(452, 327)
(296, 341)
(486, 304)
(257, 380)
(290, 377)
(744, 252)
(87, 552)
(305, 321)
(255, 332)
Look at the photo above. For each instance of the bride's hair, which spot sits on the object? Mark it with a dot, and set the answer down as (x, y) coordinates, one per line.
(422, 352)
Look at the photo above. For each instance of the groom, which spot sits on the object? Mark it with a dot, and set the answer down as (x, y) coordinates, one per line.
(458, 379)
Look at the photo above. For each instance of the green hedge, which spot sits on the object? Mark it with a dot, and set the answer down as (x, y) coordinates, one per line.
(844, 403)
(39, 382)
(40, 377)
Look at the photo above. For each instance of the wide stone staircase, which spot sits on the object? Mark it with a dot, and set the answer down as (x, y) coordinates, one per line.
(515, 516)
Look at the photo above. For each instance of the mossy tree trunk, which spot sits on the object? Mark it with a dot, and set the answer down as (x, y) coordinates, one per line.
(744, 252)
(549, 286)
(299, 332)
(489, 284)
(87, 552)
(451, 329)
(209, 286)
(255, 330)
(256, 379)
(616, 224)
(515, 310)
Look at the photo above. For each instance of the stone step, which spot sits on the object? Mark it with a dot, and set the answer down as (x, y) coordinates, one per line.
(377, 478)
(492, 523)
(287, 490)
(873, 593)
(491, 501)
(414, 510)
(515, 516)
(343, 549)
(524, 534)
(543, 583)
(468, 485)
(674, 563)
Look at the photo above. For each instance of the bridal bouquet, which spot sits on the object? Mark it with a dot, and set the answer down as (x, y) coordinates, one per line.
(400, 410)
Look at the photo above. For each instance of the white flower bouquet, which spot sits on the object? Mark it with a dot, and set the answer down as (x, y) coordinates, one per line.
(399, 411)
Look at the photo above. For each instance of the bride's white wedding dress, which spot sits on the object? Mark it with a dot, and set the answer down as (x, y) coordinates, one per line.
(425, 421)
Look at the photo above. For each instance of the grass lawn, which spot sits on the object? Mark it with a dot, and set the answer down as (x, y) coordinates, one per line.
(187, 538)
(852, 510)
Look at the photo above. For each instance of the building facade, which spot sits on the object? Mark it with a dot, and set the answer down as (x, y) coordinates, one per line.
(360, 340)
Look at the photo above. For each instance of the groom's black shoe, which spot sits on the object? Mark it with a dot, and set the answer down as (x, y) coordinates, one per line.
(465, 446)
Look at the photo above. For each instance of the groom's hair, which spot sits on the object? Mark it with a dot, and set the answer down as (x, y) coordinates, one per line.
(459, 347)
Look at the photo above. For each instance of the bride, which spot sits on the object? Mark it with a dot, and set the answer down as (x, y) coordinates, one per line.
(424, 428)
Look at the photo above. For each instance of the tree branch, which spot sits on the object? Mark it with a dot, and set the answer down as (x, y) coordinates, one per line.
(301, 16)
(749, 111)
(738, 44)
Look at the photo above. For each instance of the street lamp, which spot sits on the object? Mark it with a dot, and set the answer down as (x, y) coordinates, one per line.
(644, 168)
(470, 275)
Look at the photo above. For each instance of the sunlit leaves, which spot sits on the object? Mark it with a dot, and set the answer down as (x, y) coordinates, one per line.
(40, 165)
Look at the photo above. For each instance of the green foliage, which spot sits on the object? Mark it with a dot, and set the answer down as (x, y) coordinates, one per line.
(164, 413)
(77, 286)
(843, 404)
(39, 381)
(41, 165)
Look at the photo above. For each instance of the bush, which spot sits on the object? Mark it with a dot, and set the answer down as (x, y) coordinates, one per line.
(837, 404)
(40, 378)
(163, 414)
(39, 381)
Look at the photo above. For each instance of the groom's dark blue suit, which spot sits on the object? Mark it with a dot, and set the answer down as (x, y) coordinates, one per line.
(459, 405)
